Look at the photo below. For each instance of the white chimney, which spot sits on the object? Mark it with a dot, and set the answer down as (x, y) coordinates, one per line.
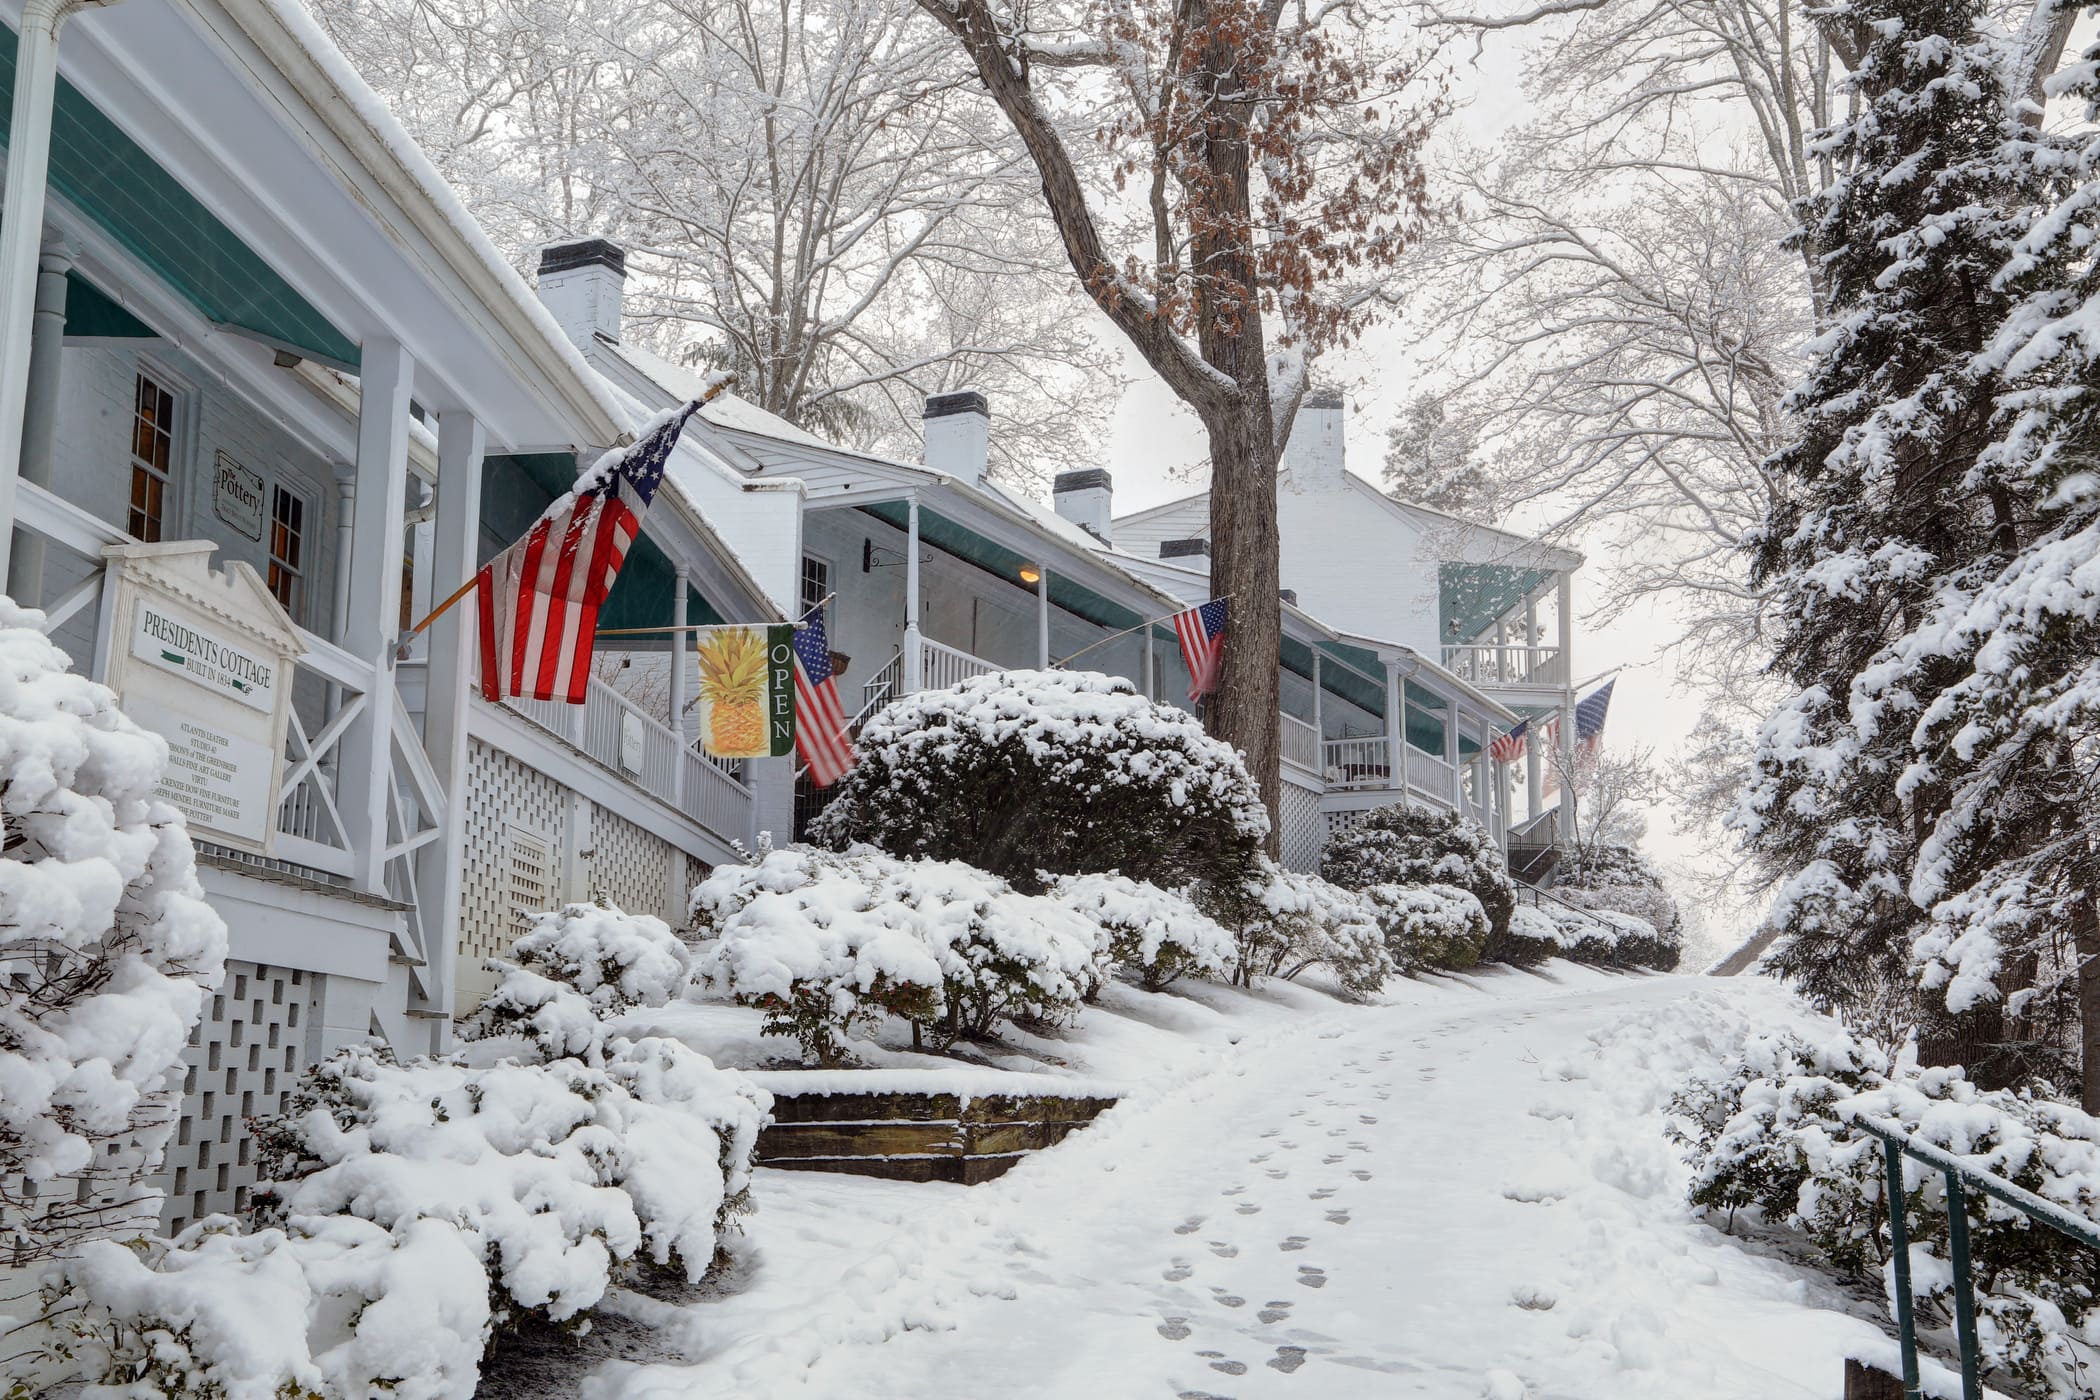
(1312, 459)
(1083, 498)
(958, 434)
(581, 283)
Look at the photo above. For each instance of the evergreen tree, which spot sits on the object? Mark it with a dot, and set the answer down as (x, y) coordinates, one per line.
(1892, 503)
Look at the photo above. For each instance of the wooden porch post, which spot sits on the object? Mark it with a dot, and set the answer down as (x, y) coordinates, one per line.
(1566, 602)
(1042, 619)
(374, 612)
(456, 537)
(1453, 717)
(1395, 727)
(914, 654)
(1151, 671)
(47, 338)
(679, 643)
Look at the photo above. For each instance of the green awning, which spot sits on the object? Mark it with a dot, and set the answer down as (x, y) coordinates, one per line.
(90, 312)
(996, 559)
(1471, 596)
(102, 172)
(516, 489)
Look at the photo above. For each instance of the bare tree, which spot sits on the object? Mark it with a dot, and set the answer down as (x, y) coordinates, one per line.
(805, 188)
(1233, 182)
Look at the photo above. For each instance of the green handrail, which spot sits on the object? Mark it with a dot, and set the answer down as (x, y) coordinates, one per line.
(1897, 1144)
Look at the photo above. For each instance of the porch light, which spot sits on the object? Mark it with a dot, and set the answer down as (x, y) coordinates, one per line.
(1031, 574)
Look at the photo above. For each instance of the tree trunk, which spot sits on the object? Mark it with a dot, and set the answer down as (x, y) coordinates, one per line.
(1244, 568)
(2085, 934)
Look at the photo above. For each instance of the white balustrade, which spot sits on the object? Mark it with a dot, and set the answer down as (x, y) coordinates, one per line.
(944, 666)
(1510, 665)
(1301, 742)
(1358, 763)
(1429, 776)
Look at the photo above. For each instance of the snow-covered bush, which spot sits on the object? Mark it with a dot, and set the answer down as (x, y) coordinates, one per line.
(1408, 845)
(1160, 934)
(1283, 922)
(1429, 927)
(1533, 937)
(107, 950)
(1601, 936)
(1027, 773)
(828, 942)
(1619, 880)
(413, 1210)
(1766, 1137)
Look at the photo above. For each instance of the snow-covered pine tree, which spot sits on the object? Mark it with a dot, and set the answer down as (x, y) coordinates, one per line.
(2011, 864)
(1888, 505)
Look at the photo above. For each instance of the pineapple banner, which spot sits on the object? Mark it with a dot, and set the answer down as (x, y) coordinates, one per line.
(747, 691)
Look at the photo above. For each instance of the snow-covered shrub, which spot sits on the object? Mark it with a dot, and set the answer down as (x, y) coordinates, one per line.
(1619, 880)
(829, 942)
(1027, 773)
(330, 1306)
(1766, 1136)
(1533, 937)
(1429, 927)
(1160, 934)
(575, 966)
(1408, 845)
(106, 952)
(1283, 922)
(413, 1210)
(1600, 936)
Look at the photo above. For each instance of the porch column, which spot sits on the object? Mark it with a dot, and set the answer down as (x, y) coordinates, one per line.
(455, 536)
(47, 346)
(374, 613)
(1042, 619)
(1534, 771)
(1319, 715)
(345, 550)
(22, 232)
(1395, 727)
(1566, 602)
(422, 550)
(914, 657)
(1151, 674)
(684, 578)
(1452, 719)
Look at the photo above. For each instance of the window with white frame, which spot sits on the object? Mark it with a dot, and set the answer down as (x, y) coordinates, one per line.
(816, 584)
(152, 457)
(288, 516)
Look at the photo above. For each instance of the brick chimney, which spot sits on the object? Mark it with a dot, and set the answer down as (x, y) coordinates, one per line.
(1084, 497)
(1313, 457)
(958, 434)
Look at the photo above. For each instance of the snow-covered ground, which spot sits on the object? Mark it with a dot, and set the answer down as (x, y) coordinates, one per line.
(1462, 1192)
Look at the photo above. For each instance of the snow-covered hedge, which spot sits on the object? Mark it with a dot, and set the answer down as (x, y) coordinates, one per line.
(1619, 880)
(1601, 936)
(415, 1209)
(1408, 845)
(829, 942)
(107, 951)
(1159, 934)
(1766, 1139)
(1429, 927)
(1024, 773)
(1283, 922)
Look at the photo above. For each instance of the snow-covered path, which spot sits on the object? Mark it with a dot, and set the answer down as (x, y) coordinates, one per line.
(1470, 1197)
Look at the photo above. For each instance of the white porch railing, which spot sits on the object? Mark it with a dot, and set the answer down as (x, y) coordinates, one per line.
(1358, 763)
(624, 737)
(1510, 665)
(942, 666)
(1429, 775)
(1301, 742)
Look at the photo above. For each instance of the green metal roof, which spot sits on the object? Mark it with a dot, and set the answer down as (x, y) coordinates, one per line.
(516, 490)
(90, 312)
(103, 173)
(953, 538)
(1473, 595)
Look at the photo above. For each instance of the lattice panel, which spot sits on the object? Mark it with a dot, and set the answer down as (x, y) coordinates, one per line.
(502, 794)
(632, 868)
(243, 1059)
(1304, 832)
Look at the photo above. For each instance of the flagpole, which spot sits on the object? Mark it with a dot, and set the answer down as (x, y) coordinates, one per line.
(474, 579)
(1148, 622)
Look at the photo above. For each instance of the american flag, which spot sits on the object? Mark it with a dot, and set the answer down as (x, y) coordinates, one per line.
(539, 599)
(1509, 747)
(820, 722)
(1589, 729)
(1202, 633)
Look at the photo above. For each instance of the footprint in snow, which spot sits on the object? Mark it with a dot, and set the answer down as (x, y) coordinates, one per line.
(1359, 1147)
(1337, 1217)
(1331, 1158)
(1255, 1161)
(1382, 1094)
(1360, 1174)
(1292, 1146)
(1367, 1118)
(1273, 1132)
(1287, 1359)
(1385, 1055)
(1276, 1310)
(1230, 1368)
(1294, 1243)
(1189, 1226)
(1232, 1190)
(1323, 1193)
(1247, 1208)
(1277, 1173)
(1228, 1300)
(1199, 1395)
(1336, 1132)
(1182, 1269)
(1312, 1277)
(1224, 1250)
(1174, 1329)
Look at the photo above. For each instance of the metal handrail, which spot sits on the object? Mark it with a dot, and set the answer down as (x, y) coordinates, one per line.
(1896, 1144)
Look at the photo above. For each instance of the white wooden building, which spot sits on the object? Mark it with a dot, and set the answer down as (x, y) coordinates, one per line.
(277, 394)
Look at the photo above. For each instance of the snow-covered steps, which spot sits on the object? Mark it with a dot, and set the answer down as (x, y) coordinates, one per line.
(965, 1125)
